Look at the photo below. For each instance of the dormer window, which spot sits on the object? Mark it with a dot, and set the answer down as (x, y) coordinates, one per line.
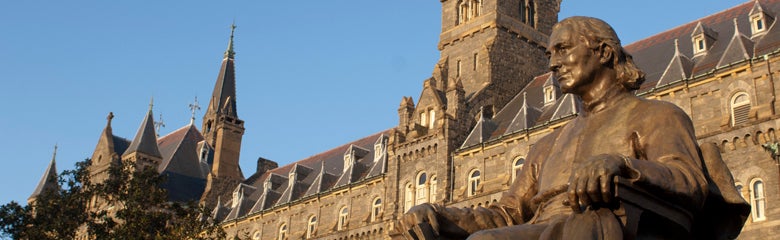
(347, 161)
(758, 24)
(549, 94)
(236, 196)
(699, 45)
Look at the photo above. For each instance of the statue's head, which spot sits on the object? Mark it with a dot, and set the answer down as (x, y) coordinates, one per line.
(598, 36)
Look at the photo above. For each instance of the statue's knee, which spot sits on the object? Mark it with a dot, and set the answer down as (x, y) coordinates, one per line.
(482, 235)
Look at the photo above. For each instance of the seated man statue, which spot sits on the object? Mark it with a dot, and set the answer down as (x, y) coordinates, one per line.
(567, 188)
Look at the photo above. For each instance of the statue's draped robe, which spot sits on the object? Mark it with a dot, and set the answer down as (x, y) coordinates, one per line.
(657, 139)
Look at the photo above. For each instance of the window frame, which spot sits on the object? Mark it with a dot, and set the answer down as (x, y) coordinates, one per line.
(473, 182)
(757, 200)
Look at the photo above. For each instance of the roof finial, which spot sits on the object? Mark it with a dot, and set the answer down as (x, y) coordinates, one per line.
(229, 53)
(151, 104)
(676, 47)
(109, 118)
(736, 28)
(54, 156)
(194, 107)
(158, 124)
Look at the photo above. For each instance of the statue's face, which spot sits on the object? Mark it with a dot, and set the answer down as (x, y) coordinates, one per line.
(572, 61)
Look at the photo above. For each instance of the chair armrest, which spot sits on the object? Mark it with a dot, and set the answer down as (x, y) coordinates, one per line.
(636, 200)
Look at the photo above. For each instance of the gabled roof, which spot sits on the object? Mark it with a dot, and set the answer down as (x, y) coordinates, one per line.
(185, 173)
(243, 204)
(481, 132)
(653, 54)
(679, 68)
(526, 116)
(145, 140)
(740, 48)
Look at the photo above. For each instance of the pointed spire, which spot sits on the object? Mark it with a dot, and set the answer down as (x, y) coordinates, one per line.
(225, 87)
(229, 53)
(145, 140)
(48, 181)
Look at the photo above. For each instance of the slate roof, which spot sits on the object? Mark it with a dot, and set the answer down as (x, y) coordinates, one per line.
(48, 181)
(666, 58)
(145, 140)
(185, 173)
(310, 176)
(655, 54)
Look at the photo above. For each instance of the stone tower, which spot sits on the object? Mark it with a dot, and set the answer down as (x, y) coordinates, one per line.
(223, 130)
(490, 50)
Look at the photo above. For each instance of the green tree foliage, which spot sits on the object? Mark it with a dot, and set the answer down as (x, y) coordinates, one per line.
(130, 204)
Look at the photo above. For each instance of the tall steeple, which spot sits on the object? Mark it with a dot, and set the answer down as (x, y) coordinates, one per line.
(48, 180)
(143, 149)
(223, 130)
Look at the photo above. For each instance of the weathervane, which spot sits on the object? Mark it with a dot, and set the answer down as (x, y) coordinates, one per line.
(159, 124)
(194, 107)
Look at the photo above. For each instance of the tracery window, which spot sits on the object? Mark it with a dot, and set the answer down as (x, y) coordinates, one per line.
(468, 9)
(528, 12)
(376, 209)
(282, 232)
(343, 215)
(758, 200)
(740, 108)
(516, 167)
(422, 188)
(311, 227)
(473, 182)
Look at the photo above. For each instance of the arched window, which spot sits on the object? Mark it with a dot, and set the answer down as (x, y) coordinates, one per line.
(473, 182)
(740, 108)
(282, 232)
(434, 182)
(758, 200)
(408, 197)
(312, 226)
(376, 209)
(257, 235)
(422, 188)
(516, 167)
(343, 214)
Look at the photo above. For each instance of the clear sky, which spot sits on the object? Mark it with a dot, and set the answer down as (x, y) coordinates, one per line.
(311, 75)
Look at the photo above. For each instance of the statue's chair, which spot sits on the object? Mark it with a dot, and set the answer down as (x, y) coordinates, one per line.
(647, 216)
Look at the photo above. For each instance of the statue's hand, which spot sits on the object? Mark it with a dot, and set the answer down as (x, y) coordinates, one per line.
(423, 213)
(591, 182)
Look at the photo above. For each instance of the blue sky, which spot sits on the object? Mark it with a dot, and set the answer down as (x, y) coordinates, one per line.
(311, 75)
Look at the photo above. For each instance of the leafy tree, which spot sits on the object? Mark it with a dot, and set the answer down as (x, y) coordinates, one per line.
(129, 204)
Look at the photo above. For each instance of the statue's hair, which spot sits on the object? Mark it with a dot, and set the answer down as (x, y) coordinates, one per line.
(598, 32)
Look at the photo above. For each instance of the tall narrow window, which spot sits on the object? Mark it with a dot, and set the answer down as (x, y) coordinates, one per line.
(408, 197)
(699, 45)
(516, 167)
(312, 226)
(523, 12)
(434, 182)
(473, 183)
(424, 118)
(343, 215)
(476, 61)
(458, 68)
(422, 188)
(376, 209)
(531, 13)
(432, 119)
(282, 232)
(757, 200)
(740, 108)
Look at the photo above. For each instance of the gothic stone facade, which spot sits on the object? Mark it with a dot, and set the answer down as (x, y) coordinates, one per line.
(489, 99)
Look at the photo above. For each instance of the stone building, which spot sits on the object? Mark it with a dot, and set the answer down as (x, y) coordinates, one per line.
(490, 98)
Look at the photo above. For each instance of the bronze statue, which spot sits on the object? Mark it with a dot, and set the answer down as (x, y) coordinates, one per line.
(583, 180)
